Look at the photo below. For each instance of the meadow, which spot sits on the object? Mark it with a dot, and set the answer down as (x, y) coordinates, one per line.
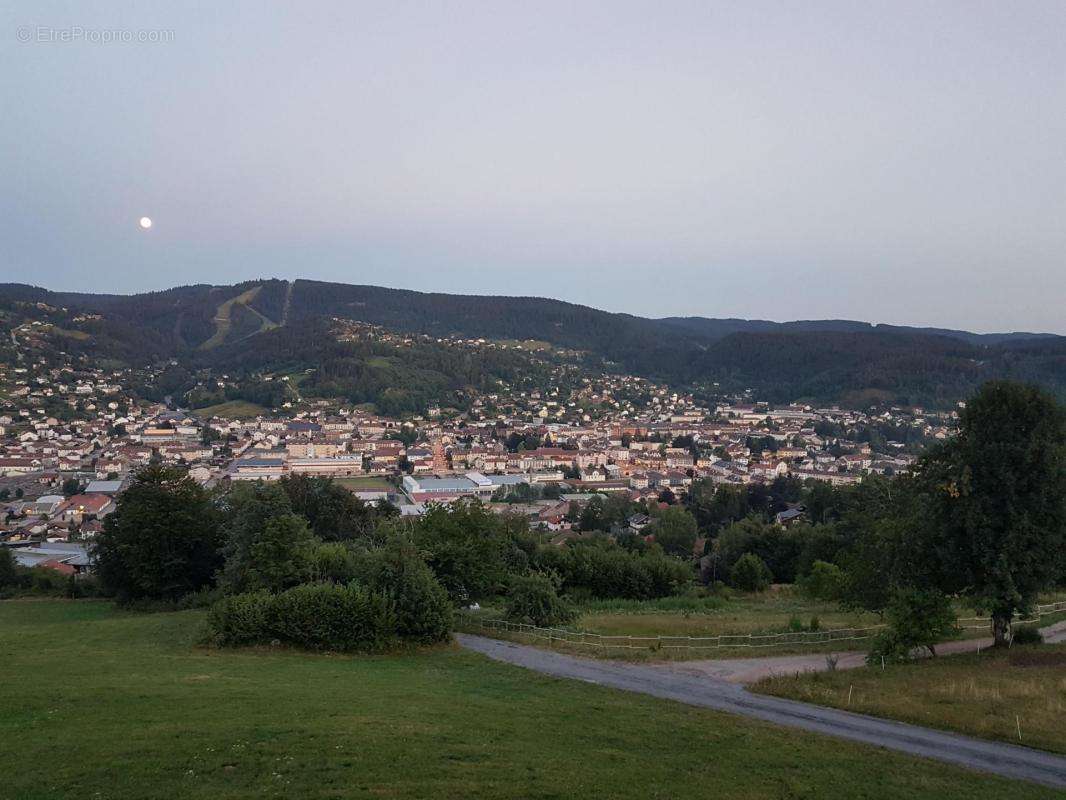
(98, 702)
(1015, 695)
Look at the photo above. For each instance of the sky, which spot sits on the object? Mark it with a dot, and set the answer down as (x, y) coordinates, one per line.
(892, 162)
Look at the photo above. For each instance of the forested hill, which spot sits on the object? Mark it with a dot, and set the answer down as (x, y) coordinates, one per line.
(825, 360)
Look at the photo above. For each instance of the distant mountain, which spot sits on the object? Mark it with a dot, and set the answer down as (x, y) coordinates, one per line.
(717, 328)
(823, 360)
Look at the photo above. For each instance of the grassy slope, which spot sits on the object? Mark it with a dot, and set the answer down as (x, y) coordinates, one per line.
(986, 695)
(233, 409)
(126, 706)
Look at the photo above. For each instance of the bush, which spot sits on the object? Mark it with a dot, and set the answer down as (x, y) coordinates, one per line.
(825, 582)
(534, 599)
(750, 574)
(316, 616)
(1027, 634)
(423, 610)
(326, 616)
(240, 619)
(917, 618)
(333, 562)
(604, 570)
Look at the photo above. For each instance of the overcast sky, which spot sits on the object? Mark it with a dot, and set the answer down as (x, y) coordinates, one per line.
(893, 162)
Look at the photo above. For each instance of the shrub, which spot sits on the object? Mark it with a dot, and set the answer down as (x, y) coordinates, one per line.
(326, 616)
(825, 582)
(316, 616)
(1027, 634)
(604, 570)
(534, 599)
(240, 619)
(917, 618)
(750, 574)
(333, 562)
(423, 609)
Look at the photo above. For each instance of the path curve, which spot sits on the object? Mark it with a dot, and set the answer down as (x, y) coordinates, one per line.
(708, 692)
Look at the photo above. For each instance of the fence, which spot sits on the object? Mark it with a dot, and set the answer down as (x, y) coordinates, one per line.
(1039, 612)
(722, 641)
(749, 640)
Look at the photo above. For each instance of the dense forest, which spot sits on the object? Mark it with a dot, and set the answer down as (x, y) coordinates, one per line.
(240, 327)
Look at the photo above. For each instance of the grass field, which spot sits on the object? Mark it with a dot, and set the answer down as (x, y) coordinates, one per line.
(782, 610)
(991, 695)
(234, 409)
(101, 703)
(367, 483)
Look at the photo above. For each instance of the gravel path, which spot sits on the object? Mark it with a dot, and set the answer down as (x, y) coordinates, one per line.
(711, 692)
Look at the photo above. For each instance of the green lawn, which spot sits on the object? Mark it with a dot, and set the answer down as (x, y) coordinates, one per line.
(991, 695)
(233, 409)
(366, 483)
(780, 611)
(101, 703)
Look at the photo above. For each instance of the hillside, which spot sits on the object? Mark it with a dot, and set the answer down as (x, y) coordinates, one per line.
(137, 709)
(274, 323)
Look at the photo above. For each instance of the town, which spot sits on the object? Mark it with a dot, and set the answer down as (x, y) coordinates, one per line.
(72, 433)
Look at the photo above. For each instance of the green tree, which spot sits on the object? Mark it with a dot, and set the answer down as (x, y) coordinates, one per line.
(467, 547)
(824, 582)
(280, 556)
(163, 540)
(994, 519)
(422, 607)
(534, 599)
(9, 574)
(917, 618)
(750, 574)
(675, 531)
(334, 513)
(247, 509)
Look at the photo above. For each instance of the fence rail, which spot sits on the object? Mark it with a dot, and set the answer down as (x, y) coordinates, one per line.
(721, 641)
(1039, 612)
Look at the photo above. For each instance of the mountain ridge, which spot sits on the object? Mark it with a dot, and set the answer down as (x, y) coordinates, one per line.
(858, 363)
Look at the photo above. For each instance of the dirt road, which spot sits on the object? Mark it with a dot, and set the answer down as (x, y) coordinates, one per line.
(670, 683)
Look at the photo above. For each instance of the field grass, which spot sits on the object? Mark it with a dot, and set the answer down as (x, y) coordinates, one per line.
(991, 695)
(102, 703)
(783, 610)
(368, 483)
(233, 409)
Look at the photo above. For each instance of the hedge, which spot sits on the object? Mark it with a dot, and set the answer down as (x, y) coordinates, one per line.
(316, 616)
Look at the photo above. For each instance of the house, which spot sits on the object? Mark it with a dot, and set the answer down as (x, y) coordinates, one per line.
(80, 506)
(790, 516)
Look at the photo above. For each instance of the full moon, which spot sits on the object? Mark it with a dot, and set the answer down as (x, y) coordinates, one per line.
(145, 223)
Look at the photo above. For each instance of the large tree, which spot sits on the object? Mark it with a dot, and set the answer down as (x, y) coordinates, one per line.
(995, 522)
(675, 531)
(163, 540)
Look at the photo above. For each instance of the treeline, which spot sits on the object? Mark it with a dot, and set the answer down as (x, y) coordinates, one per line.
(850, 363)
(303, 562)
(981, 517)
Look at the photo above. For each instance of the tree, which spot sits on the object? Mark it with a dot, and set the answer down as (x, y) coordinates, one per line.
(280, 556)
(9, 576)
(422, 607)
(163, 540)
(995, 501)
(750, 574)
(675, 531)
(824, 582)
(467, 547)
(247, 509)
(534, 600)
(334, 513)
(917, 618)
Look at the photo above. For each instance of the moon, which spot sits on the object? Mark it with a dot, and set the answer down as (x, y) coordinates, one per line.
(145, 222)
